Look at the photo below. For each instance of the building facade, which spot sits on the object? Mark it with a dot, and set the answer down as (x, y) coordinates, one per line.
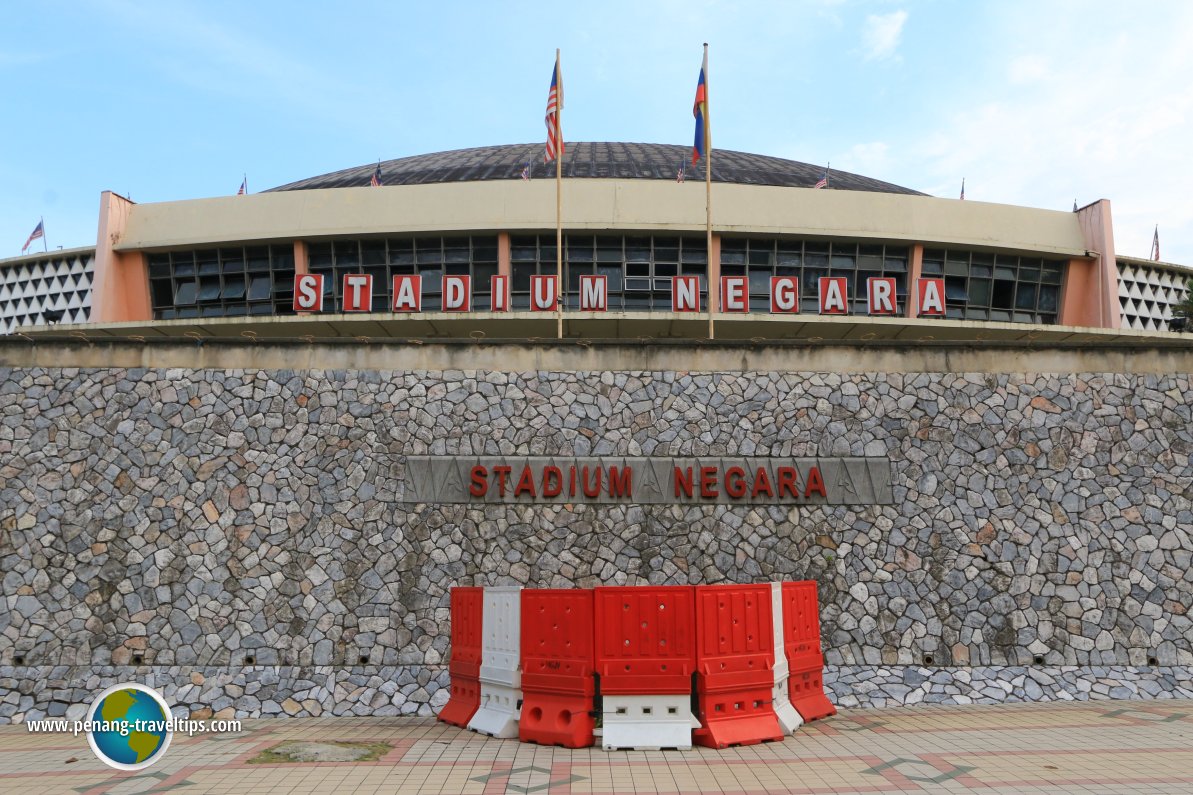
(260, 509)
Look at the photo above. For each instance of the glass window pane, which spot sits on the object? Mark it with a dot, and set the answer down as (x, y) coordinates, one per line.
(259, 288)
(233, 288)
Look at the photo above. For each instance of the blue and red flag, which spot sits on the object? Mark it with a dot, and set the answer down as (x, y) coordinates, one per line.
(554, 106)
(700, 111)
(38, 231)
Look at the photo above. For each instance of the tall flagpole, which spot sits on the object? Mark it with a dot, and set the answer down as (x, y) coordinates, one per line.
(708, 190)
(559, 200)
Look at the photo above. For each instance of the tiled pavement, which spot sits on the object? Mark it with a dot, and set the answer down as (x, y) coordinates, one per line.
(1110, 747)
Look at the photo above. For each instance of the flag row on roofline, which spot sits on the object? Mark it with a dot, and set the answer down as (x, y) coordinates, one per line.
(356, 294)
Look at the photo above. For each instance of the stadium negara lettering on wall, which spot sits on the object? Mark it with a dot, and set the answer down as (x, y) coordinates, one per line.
(647, 480)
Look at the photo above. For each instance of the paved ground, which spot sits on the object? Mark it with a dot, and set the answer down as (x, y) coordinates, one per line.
(1111, 747)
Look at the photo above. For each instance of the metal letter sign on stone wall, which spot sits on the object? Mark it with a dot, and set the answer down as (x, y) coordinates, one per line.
(647, 481)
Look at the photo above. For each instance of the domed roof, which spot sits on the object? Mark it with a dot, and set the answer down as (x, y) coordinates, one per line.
(598, 160)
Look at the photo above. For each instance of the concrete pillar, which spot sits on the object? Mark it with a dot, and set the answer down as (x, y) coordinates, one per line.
(915, 269)
(1089, 296)
(120, 288)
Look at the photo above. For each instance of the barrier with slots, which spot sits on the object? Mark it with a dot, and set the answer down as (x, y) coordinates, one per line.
(467, 608)
(788, 717)
(500, 670)
(801, 636)
(558, 683)
(645, 656)
(735, 657)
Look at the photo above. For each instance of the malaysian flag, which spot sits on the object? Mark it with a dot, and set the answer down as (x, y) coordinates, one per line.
(244, 186)
(823, 181)
(1155, 243)
(38, 231)
(376, 180)
(554, 107)
(700, 111)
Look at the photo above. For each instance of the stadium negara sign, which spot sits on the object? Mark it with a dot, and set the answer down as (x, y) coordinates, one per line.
(356, 294)
(647, 480)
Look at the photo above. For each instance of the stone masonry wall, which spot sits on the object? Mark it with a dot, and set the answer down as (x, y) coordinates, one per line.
(234, 537)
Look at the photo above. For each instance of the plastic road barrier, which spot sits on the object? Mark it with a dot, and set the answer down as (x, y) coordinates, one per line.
(464, 667)
(788, 717)
(645, 656)
(735, 665)
(558, 683)
(500, 671)
(801, 636)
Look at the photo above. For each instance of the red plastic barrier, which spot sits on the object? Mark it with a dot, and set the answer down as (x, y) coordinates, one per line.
(557, 668)
(645, 639)
(467, 608)
(735, 659)
(801, 636)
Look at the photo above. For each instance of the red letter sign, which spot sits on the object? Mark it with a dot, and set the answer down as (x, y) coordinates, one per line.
(594, 293)
(733, 294)
(881, 293)
(685, 293)
(457, 293)
(358, 292)
(832, 295)
(784, 294)
(408, 294)
(500, 285)
(308, 292)
(929, 297)
(542, 293)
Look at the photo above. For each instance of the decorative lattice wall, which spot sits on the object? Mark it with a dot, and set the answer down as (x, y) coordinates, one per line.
(51, 288)
(1147, 292)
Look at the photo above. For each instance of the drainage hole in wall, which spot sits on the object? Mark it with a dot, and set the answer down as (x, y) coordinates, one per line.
(1152, 661)
(364, 659)
(18, 659)
(250, 659)
(138, 659)
(928, 659)
(1038, 659)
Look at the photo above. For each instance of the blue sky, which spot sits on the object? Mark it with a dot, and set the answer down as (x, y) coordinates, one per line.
(1032, 103)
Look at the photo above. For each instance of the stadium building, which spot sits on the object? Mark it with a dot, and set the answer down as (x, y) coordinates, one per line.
(248, 443)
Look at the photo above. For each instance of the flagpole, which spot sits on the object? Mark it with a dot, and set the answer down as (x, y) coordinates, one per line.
(559, 200)
(708, 189)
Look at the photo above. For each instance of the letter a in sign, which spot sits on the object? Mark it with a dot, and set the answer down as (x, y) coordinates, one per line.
(930, 297)
(408, 295)
(832, 295)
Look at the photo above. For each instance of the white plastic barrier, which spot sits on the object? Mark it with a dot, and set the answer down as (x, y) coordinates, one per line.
(647, 723)
(785, 711)
(501, 663)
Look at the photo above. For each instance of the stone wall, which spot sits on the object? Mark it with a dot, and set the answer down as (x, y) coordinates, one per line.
(235, 538)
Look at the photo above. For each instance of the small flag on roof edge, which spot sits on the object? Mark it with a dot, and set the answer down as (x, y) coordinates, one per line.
(375, 182)
(244, 186)
(823, 181)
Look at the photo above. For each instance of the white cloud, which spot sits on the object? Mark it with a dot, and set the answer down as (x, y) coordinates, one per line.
(1114, 123)
(880, 36)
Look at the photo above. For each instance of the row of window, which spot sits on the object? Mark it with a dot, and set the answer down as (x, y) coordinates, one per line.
(259, 280)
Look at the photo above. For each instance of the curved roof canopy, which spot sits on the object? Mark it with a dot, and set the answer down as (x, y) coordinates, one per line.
(596, 160)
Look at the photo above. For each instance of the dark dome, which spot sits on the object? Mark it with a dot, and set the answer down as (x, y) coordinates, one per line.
(607, 160)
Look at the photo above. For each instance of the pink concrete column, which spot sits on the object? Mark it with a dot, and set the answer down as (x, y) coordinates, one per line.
(302, 261)
(120, 287)
(1090, 293)
(503, 255)
(915, 269)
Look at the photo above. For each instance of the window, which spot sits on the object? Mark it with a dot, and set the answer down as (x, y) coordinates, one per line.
(225, 282)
